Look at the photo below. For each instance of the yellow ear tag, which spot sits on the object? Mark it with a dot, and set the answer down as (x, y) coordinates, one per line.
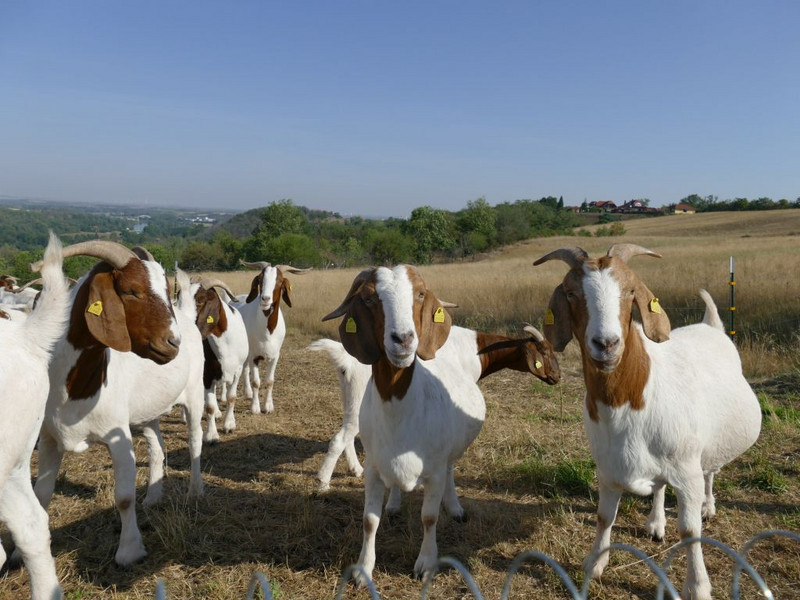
(209, 319)
(96, 308)
(538, 364)
(655, 307)
(549, 317)
(438, 316)
(350, 326)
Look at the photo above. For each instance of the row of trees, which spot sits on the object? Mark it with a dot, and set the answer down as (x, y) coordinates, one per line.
(713, 203)
(285, 233)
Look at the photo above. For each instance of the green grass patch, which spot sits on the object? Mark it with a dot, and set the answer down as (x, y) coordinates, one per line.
(567, 477)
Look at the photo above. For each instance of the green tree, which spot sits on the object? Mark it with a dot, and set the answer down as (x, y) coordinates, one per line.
(431, 230)
(389, 246)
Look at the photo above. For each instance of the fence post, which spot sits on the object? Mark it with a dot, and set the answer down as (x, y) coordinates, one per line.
(732, 306)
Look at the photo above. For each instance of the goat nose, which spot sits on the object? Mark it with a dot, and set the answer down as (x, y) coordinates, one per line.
(175, 342)
(403, 339)
(606, 344)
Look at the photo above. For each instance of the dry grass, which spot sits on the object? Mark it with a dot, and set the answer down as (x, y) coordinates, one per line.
(526, 482)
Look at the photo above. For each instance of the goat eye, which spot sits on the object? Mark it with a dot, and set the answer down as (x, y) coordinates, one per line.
(421, 296)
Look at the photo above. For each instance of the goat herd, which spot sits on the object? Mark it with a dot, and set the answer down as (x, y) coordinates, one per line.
(83, 365)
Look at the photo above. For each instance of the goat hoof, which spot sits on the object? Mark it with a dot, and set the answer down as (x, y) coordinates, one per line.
(657, 538)
(462, 518)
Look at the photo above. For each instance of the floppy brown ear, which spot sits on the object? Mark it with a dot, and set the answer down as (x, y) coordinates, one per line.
(358, 335)
(557, 326)
(105, 314)
(655, 321)
(285, 289)
(434, 327)
(255, 288)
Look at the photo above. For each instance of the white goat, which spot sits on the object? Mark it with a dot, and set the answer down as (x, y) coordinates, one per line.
(126, 358)
(266, 329)
(659, 408)
(417, 418)
(225, 349)
(26, 345)
(479, 354)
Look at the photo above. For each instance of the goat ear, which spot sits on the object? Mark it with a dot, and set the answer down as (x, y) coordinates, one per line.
(255, 289)
(358, 335)
(286, 287)
(655, 321)
(434, 327)
(105, 314)
(557, 326)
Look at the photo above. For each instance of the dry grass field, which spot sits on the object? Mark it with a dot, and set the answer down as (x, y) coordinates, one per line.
(526, 483)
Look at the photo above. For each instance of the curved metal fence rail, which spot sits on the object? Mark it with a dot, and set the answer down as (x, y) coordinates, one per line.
(260, 583)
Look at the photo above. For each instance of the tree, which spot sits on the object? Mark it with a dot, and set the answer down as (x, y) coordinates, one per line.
(477, 226)
(431, 231)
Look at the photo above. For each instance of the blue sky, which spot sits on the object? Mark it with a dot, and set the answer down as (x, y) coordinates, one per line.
(375, 108)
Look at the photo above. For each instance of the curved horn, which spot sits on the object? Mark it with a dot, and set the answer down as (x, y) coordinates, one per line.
(37, 281)
(260, 265)
(446, 304)
(291, 269)
(211, 282)
(535, 333)
(624, 252)
(143, 253)
(574, 257)
(113, 253)
(343, 307)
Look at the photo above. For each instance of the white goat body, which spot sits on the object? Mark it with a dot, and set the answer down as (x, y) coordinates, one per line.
(661, 408)
(417, 418)
(26, 346)
(266, 329)
(134, 391)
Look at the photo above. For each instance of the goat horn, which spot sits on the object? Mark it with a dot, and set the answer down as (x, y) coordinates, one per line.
(294, 270)
(345, 305)
(535, 333)
(446, 304)
(211, 282)
(260, 265)
(574, 257)
(113, 253)
(143, 253)
(625, 252)
(30, 283)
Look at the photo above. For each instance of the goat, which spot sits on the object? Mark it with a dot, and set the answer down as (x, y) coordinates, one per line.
(266, 329)
(26, 346)
(417, 418)
(23, 296)
(225, 349)
(480, 354)
(125, 359)
(661, 407)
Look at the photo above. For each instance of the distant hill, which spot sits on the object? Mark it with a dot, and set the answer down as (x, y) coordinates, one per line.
(733, 223)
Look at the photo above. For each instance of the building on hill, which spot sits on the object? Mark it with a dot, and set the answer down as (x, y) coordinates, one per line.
(683, 209)
(603, 205)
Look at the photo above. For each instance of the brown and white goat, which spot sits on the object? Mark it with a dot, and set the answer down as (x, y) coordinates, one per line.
(661, 407)
(266, 329)
(417, 416)
(125, 359)
(225, 350)
(480, 354)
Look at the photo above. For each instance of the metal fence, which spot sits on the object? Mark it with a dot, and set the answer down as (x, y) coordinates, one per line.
(260, 583)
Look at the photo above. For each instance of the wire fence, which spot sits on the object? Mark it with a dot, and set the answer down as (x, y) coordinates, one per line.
(260, 583)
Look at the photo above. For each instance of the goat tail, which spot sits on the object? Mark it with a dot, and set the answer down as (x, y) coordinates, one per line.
(711, 316)
(48, 319)
(335, 352)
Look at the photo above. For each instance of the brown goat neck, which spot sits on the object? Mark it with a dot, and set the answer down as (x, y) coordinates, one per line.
(391, 381)
(625, 384)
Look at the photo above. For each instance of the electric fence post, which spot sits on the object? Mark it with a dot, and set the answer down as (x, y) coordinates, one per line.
(732, 307)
